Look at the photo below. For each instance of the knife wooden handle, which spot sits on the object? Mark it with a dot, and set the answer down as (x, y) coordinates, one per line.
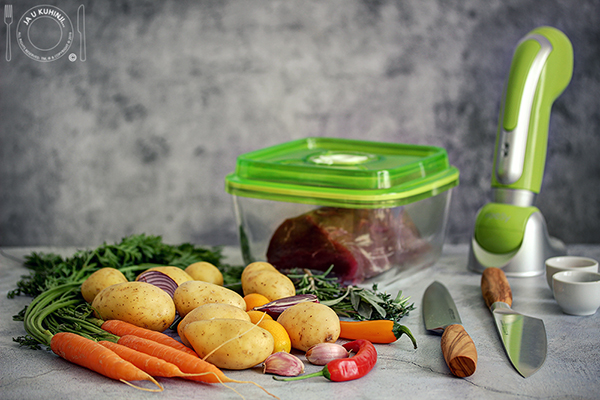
(459, 351)
(495, 287)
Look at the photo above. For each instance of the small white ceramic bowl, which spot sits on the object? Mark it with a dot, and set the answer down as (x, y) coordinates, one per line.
(577, 292)
(569, 263)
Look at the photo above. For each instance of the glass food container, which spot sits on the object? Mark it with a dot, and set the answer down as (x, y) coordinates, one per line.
(360, 207)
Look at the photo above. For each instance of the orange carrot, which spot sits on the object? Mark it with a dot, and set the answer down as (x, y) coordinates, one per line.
(89, 354)
(157, 366)
(154, 366)
(122, 328)
(195, 368)
(185, 362)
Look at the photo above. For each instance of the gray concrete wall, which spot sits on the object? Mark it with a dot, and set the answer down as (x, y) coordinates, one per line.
(139, 137)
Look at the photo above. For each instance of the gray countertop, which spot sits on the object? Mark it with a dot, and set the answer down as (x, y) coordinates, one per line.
(571, 370)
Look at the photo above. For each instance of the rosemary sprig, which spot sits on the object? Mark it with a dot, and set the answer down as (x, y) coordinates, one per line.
(350, 301)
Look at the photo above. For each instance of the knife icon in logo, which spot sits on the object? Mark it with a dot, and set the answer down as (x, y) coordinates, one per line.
(81, 30)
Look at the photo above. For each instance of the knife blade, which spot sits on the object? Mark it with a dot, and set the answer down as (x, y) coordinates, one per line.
(523, 337)
(441, 316)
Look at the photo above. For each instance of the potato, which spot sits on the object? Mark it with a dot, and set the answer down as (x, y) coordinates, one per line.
(192, 294)
(99, 280)
(206, 272)
(250, 344)
(175, 273)
(138, 303)
(271, 284)
(256, 266)
(309, 324)
(210, 311)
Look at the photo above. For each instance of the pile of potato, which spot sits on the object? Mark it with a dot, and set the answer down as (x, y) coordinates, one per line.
(215, 322)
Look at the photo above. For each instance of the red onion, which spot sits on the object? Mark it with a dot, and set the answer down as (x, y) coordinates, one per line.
(159, 279)
(276, 307)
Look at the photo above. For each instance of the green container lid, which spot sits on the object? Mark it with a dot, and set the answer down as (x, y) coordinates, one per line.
(343, 173)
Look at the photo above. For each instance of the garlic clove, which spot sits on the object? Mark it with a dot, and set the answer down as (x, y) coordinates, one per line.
(322, 353)
(283, 364)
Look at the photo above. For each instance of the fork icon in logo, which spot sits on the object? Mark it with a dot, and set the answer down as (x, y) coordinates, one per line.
(8, 19)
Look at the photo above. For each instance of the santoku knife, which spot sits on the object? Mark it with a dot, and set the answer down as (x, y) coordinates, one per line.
(524, 338)
(440, 315)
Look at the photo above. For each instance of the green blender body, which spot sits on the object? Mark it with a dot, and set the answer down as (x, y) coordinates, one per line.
(510, 232)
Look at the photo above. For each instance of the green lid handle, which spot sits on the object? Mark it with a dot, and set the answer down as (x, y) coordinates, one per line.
(540, 71)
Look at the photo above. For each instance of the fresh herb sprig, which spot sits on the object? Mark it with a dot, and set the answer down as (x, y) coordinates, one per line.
(54, 282)
(351, 301)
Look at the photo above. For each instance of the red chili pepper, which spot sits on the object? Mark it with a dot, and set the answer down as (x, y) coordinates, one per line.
(346, 369)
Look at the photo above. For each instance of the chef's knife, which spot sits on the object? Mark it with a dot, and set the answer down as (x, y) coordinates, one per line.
(523, 337)
(440, 315)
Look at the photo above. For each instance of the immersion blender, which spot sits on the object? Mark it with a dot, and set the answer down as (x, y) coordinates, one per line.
(510, 232)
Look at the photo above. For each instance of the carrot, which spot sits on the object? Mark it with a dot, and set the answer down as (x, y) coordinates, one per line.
(89, 354)
(122, 328)
(185, 362)
(195, 368)
(154, 366)
(375, 331)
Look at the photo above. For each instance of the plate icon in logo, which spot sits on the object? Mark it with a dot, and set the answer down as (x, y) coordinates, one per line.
(45, 33)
